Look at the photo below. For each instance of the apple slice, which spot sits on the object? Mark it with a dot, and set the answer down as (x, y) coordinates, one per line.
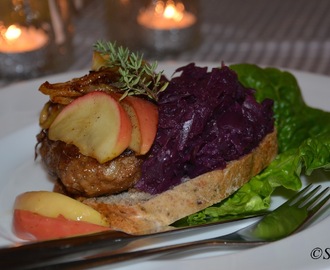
(98, 61)
(52, 204)
(144, 118)
(30, 226)
(96, 123)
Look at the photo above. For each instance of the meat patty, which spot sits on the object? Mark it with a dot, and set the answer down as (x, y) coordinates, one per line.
(85, 176)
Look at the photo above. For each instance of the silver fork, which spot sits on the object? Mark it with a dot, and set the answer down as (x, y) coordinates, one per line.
(283, 221)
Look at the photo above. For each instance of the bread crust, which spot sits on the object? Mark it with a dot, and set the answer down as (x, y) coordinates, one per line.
(138, 212)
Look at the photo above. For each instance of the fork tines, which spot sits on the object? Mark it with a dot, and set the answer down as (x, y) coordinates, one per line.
(307, 200)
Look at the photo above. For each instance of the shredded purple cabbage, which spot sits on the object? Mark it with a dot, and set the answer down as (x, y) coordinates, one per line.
(206, 119)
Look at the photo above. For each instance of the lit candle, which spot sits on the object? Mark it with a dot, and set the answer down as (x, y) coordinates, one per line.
(22, 51)
(166, 16)
(167, 26)
(19, 39)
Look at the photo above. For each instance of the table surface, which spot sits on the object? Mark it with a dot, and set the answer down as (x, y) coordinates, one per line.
(284, 33)
(291, 34)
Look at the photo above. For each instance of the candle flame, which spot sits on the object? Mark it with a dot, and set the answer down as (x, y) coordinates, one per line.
(13, 32)
(170, 10)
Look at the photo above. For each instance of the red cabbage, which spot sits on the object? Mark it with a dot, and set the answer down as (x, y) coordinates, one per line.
(206, 119)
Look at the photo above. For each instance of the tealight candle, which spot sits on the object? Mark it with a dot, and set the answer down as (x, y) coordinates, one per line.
(18, 39)
(166, 16)
(22, 50)
(168, 26)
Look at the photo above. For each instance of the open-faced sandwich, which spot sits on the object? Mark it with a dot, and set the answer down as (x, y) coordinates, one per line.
(132, 150)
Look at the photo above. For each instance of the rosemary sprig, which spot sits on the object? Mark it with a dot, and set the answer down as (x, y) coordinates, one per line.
(137, 77)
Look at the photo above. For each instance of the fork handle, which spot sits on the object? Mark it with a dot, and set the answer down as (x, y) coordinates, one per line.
(113, 258)
(28, 255)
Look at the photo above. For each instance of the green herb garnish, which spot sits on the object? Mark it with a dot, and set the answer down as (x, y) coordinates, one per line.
(137, 77)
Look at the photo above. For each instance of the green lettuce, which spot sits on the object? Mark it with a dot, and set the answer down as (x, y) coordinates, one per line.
(303, 138)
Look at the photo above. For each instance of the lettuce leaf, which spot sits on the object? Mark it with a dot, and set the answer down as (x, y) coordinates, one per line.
(295, 120)
(303, 137)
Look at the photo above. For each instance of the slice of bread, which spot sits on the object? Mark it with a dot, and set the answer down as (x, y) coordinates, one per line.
(138, 212)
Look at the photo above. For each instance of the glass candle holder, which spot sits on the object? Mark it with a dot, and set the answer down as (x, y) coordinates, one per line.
(33, 36)
(168, 25)
(157, 28)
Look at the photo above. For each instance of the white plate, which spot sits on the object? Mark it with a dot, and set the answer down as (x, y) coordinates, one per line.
(20, 105)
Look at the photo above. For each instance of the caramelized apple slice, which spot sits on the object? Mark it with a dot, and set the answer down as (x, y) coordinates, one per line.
(144, 118)
(98, 61)
(96, 123)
